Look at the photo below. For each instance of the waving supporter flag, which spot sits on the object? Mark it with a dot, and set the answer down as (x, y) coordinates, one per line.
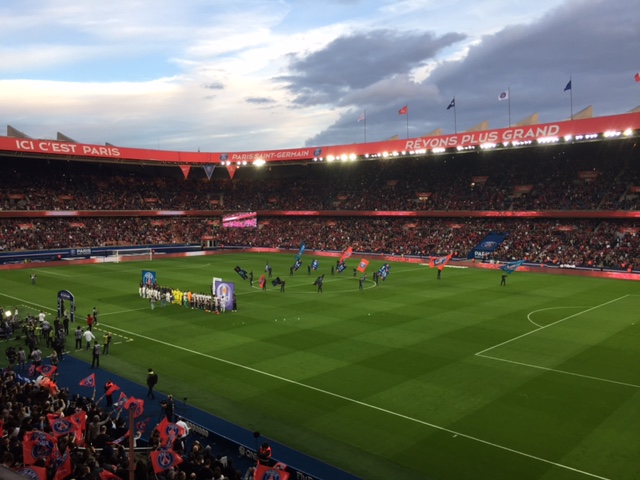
(61, 463)
(297, 265)
(36, 445)
(300, 252)
(112, 389)
(141, 426)
(137, 404)
(362, 266)
(107, 475)
(90, 381)
(440, 262)
(46, 370)
(62, 425)
(118, 441)
(262, 281)
(384, 271)
(162, 460)
(346, 254)
(277, 472)
(34, 473)
(122, 399)
(314, 264)
(80, 419)
(169, 431)
(242, 272)
(341, 267)
(511, 267)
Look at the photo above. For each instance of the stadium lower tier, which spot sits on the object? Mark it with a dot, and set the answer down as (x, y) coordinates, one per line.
(581, 243)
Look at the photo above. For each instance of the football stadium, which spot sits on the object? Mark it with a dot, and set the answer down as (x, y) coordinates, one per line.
(444, 307)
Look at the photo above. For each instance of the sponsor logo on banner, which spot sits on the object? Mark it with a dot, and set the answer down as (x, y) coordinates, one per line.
(489, 244)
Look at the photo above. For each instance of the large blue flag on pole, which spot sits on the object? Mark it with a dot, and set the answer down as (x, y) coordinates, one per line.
(301, 251)
(511, 267)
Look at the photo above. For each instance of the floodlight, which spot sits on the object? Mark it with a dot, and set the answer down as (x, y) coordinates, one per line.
(259, 162)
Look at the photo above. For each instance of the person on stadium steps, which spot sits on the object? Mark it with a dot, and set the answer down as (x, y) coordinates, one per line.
(264, 454)
(108, 396)
(152, 380)
(169, 407)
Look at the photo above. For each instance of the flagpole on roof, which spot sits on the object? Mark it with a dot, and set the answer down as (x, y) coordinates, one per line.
(571, 96)
(407, 122)
(365, 126)
(509, 99)
(455, 120)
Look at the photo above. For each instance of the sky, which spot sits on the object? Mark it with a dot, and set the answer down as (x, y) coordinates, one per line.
(250, 75)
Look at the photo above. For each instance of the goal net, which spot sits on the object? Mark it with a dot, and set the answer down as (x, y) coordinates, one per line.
(132, 254)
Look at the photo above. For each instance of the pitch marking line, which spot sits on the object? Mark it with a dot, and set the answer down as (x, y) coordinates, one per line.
(561, 371)
(542, 310)
(564, 372)
(550, 325)
(366, 405)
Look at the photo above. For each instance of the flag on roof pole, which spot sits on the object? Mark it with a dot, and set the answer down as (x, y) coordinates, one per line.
(506, 95)
(637, 77)
(362, 117)
(452, 104)
(404, 110)
(568, 87)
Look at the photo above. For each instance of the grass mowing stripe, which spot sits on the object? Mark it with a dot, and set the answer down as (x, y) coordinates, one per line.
(551, 324)
(364, 404)
(564, 372)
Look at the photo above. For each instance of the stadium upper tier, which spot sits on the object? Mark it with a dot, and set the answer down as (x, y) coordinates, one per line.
(600, 176)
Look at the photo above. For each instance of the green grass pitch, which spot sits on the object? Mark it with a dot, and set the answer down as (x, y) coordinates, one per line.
(416, 378)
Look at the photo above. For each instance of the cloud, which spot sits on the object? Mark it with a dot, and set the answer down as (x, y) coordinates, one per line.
(259, 100)
(357, 61)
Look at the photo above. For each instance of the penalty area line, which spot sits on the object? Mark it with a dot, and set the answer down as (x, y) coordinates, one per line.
(364, 404)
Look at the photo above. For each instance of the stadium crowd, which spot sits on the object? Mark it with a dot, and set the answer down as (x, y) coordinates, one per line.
(31, 403)
(549, 179)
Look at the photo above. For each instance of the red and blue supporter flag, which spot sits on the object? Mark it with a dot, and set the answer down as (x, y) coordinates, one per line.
(384, 271)
(141, 426)
(164, 459)
(122, 399)
(262, 281)
(314, 264)
(511, 267)
(169, 431)
(341, 267)
(346, 254)
(362, 266)
(107, 475)
(90, 381)
(137, 404)
(46, 370)
(62, 464)
(277, 472)
(112, 389)
(34, 473)
(440, 262)
(62, 425)
(36, 445)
